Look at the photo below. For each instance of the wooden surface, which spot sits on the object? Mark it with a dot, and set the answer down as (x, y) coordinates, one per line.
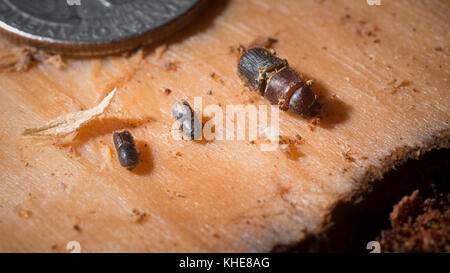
(381, 73)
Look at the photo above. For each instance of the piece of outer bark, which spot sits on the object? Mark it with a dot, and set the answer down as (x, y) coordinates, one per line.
(224, 195)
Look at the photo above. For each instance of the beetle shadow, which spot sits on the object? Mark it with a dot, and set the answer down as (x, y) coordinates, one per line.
(105, 126)
(334, 111)
(145, 165)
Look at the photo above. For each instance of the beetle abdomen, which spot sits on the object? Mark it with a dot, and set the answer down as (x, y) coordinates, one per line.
(304, 102)
(281, 86)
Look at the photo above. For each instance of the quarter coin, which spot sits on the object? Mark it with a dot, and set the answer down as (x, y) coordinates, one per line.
(93, 27)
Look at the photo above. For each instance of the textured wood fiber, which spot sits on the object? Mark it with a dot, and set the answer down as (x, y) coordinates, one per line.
(381, 73)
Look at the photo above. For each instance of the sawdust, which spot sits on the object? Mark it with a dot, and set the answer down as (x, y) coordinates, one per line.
(20, 59)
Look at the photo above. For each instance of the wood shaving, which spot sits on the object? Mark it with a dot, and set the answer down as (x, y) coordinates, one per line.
(395, 84)
(240, 49)
(216, 77)
(140, 215)
(171, 66)
(348, 155)
(25, 214)
(289, 146)
(160, 50)
(69, 123)
(368, 29)
(77, 228)
(266, 42)
(315, 121)
(56, 61)
(20, 59)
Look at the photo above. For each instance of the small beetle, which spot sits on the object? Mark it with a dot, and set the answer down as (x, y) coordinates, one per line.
(277, 82)
(187, 119)
(126, 149)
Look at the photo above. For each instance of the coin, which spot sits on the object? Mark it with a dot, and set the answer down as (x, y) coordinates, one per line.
(93, 27)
